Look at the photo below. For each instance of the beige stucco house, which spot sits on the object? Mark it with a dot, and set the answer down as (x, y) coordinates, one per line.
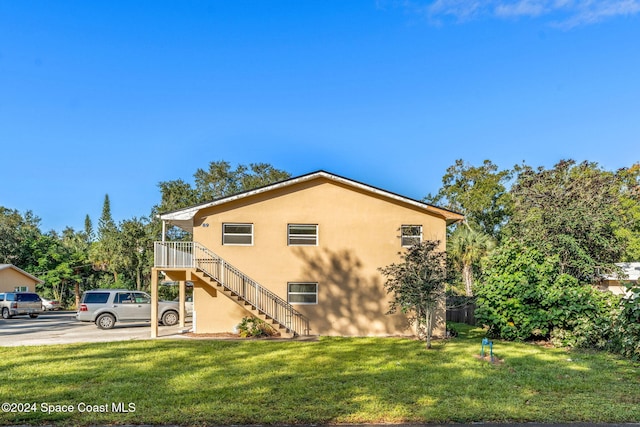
(303, 254)
(13, 279)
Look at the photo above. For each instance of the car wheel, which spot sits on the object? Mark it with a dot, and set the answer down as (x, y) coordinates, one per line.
(5, 313)
(105, 321)
(170, 318)
(33, 315)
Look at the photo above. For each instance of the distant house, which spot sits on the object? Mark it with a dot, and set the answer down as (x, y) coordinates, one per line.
(13, 279)
(302, 254)
(618, 283)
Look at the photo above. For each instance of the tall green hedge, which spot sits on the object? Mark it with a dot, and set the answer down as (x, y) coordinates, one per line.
(523, 296)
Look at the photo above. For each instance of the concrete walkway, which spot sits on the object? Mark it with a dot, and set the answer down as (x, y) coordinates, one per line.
(63, 328)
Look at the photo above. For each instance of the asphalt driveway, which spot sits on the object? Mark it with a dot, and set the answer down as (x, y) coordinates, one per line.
(62, 328)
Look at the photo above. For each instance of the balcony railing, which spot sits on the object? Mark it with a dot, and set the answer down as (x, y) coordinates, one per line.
(194, 255)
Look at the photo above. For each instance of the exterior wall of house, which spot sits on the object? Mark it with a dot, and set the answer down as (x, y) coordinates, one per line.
(213, 311)
(358, 232)
(614, 286)
(10, 279)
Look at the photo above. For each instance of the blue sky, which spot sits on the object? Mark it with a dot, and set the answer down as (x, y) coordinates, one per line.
(112, 97)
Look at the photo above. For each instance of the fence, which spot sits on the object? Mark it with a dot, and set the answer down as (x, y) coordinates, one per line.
(462, 314)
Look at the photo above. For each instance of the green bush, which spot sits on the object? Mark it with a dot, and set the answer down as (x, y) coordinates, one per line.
(253, 327)
(626, 326)
(525, 296)
(452, 331)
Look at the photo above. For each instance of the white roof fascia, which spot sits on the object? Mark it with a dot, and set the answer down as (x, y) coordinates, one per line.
(188, 214)
(31, 276)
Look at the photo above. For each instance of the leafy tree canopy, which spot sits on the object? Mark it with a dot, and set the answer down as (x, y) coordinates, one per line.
(18, 232)
(570, 211)
(478, 192)
(627, 222)
(219, 180)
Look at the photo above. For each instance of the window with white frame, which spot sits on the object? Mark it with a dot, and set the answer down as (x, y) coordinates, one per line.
(302, 293)
(302, 235)
(21, 289)
(237, 234)
(411, 235)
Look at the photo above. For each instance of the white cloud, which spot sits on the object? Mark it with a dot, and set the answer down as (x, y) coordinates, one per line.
(563, 13)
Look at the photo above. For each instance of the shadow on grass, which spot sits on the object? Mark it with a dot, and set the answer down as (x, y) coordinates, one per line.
(334, 380)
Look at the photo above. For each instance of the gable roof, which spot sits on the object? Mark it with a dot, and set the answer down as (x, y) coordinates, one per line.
(21, 271)
(183, 218)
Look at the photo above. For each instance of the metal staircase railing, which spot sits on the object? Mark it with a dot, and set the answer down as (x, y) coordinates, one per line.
(195, 255)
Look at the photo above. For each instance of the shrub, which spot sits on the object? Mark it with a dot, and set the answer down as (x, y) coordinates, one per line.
(452, 331)
(626, 326)
(254, 327)
(525, 296)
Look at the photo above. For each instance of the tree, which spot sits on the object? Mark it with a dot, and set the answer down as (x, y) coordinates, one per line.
(62, 262)
(18, 233)
(104, 252)
(627, 222)
(525, 295)
(569, 210)
(465, 249)
(417, 285)
(135, 248)
(219, 180)
(88, 229)
(174, 195)
(479, 193)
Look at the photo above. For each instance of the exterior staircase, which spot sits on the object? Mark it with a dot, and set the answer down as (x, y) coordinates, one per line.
(234, 284)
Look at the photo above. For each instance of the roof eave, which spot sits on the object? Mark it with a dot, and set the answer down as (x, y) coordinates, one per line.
(184, 218)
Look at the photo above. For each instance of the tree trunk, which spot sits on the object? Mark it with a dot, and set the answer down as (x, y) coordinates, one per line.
(428, 324)
(77, 291)
(467, 277)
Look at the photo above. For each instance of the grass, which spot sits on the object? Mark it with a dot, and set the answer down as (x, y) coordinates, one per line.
(333, 380)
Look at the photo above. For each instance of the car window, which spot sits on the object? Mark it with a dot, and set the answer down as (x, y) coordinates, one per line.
(96, 298)
(1, 297)
(142, 298)
(124, 298)
(27, 297)
(11, 297)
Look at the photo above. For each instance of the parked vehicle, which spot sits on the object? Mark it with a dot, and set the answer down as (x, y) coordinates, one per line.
(20, 303)
(50, 304)
(105, 307)
(188, 304)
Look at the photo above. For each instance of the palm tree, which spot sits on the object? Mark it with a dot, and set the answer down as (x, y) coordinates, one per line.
(465, 248)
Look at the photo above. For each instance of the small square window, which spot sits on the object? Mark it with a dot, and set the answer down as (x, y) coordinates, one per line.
(302, 235)
(302, 293)
(237, 234)
(411, 235)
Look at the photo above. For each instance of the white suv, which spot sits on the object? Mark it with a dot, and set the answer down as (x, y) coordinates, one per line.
(105, 307)
(20, 303)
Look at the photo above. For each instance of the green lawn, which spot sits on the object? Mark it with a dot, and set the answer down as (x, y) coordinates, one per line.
(333, 380)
